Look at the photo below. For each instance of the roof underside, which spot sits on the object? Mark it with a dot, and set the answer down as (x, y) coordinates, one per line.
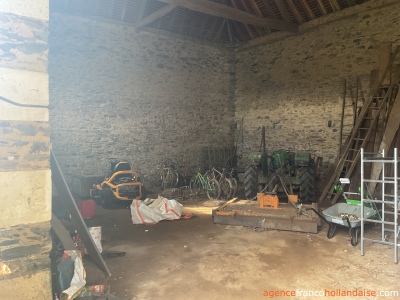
(218, 21)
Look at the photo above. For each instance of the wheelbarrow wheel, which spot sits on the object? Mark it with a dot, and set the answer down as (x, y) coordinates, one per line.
(331, 231)
(354, 236)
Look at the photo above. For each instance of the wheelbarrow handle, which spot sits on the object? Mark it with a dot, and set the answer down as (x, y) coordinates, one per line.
(321, 216)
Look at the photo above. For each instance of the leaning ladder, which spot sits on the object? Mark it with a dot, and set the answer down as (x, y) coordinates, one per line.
(389, 203)
(362, 131)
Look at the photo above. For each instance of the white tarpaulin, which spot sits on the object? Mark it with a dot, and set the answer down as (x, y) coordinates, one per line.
(152, 211)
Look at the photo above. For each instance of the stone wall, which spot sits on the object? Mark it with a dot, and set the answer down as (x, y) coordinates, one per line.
(136, 96)
(25, 191)
(293, 83)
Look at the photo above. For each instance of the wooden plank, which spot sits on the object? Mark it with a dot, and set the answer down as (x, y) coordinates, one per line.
(342, 117)
(224, 11)
(392, 127)
(64, 191)
(296, 13)
(307, 8)
(62, 233)
(154, 16)
(373, 81)
(283, 11)
(283, 218)
(385, 51)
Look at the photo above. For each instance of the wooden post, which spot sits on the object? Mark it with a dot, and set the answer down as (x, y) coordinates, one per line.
(385, 51)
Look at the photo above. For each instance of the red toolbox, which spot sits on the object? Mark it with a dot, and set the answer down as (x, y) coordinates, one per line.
(87, 208)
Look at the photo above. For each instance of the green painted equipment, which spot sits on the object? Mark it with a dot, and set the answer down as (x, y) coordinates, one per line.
(290, 172)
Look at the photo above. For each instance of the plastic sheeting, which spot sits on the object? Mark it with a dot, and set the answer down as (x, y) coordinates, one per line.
(152, 211)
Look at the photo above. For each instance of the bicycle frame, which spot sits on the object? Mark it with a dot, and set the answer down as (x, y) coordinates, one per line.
(203, 180)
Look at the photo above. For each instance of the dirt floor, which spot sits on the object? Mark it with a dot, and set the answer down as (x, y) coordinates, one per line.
(196, 259)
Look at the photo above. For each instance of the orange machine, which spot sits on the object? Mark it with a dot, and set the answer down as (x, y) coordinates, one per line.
(122, 183)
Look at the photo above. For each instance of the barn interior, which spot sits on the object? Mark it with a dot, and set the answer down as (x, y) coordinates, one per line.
(182, 86)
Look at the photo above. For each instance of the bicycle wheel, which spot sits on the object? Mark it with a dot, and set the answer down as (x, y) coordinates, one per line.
(213, 189)
(195, 186)
(226, 188)
(156, 180)
(168, 180)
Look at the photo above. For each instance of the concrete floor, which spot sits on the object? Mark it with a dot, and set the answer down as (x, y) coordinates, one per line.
(196, 259)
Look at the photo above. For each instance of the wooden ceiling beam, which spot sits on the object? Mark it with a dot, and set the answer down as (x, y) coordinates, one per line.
(224, 11)
(156, 15)
(296, 13)
(283, 10)
(321, 7)
(307, 8)
(248, 29)
(258, 11)
(335, 5)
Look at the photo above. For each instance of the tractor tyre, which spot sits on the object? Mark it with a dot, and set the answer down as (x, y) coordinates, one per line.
(107, 198)
(251, 181)
(307, 184)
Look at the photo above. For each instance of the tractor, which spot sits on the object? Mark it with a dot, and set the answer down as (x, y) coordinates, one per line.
(290, 172)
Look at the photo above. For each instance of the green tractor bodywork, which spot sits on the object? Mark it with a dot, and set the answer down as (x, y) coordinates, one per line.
(292, 171)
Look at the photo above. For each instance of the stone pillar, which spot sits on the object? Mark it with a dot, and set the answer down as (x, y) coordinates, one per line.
(25, 176)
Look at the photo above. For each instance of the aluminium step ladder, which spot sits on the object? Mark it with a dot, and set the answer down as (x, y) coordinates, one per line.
(388, 203)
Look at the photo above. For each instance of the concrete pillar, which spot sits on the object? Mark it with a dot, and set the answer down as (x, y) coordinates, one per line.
(25, 177)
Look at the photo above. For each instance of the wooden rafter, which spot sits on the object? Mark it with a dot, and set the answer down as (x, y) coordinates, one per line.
(224, 11)
(154, 16)
(307, 8)
(220, 30)
(247, 10)
(142, 7)
(238, 30)
(322, 7)
(124, 10)
(258, 11)
(185, 14)
(269, 10)
(172, 19)
(335, 5)
(249, 31)
(228, 25)
(211, 28)
(296, 13)
(283, 10)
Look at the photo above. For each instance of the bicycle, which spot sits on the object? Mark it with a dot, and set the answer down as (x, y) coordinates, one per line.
(224, 182)
(232, 173)
(167, 176)
(207, 183)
